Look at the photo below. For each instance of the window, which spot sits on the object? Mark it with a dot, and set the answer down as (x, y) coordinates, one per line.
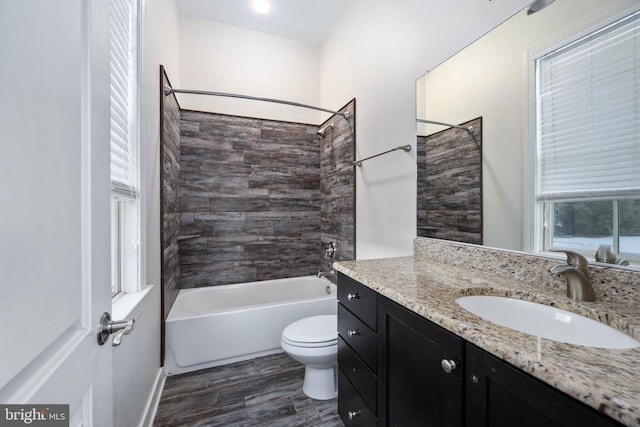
(124, 142)
(588, 142)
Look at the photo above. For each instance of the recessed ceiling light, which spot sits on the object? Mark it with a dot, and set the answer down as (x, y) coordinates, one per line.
(261, 6)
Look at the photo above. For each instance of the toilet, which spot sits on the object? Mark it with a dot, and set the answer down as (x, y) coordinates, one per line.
(313, 341)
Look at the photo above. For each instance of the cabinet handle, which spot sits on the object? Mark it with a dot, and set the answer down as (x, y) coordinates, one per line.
(448, 365)
(353, 414)
(353, 296)
(353, 332)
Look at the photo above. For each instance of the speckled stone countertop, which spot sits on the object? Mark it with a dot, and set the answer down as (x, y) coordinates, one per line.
(429, 282)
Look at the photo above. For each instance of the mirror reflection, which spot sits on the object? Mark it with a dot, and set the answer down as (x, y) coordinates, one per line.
(449, 186)
(547, 133)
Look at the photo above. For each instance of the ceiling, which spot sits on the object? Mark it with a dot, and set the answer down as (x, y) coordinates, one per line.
(308, 21)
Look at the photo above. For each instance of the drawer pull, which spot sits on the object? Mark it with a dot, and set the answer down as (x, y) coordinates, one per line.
(448, 365)
(353, 332)
(353, 296)
(353, 414)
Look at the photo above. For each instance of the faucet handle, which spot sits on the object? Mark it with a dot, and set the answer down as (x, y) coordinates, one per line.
(576, 260)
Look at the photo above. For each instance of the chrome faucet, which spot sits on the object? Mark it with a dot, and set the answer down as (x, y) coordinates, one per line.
(332, 272)
(576, 271)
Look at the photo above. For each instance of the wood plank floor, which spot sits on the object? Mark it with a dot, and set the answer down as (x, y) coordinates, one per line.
(266, 391)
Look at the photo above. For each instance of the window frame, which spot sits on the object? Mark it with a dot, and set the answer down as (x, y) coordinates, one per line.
(537, 214)
(548, 234)
(126, 200)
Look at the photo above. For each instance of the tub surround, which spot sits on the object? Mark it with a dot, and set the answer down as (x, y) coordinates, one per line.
(429, 282)
(250, 191)
(449, 184)
(262, 199)
(170, 196)
(337, 187)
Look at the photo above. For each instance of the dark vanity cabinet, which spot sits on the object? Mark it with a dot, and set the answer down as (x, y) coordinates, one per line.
(500, 395)
(357, 353)
(420, 378)
(397, 368)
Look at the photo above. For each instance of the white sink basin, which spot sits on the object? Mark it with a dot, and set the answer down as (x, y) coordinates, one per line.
(546, 321)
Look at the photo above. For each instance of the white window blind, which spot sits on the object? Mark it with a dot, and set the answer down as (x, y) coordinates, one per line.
(589, 116)
(123, 68)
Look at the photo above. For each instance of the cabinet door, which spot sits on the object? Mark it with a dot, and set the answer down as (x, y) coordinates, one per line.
(498, 394)
(414, 388)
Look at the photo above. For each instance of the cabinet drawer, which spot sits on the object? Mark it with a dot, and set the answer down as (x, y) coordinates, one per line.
(359, 299)
(360, 376)
(359, 336)
(351, 407)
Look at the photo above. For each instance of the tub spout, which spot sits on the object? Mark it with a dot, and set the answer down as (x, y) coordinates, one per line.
(332, 272)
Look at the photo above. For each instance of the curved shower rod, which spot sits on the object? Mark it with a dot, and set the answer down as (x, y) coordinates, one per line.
(470, 130)
(169, 90)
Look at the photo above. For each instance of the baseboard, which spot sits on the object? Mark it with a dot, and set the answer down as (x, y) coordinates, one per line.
(154, 400)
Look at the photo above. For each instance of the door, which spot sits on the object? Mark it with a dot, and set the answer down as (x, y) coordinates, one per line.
(499, 395)
(421, 374)
(54, 206)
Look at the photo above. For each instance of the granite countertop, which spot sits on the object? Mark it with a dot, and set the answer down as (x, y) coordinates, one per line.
(605, 379)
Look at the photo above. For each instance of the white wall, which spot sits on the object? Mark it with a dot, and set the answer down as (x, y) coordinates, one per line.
(375, 53)
(137, 360)
(222, 58)
(488, 79)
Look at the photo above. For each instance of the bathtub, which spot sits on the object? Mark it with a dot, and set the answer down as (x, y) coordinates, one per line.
(218, 325)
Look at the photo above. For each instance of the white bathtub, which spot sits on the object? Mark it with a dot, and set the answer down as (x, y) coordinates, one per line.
(218, 325)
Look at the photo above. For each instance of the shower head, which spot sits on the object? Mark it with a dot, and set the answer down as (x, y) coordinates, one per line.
(538, 5)
(322, 133)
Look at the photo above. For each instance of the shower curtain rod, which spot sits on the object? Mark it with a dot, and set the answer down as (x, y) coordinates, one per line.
(406, 148)
(470, 130)
(169, 90)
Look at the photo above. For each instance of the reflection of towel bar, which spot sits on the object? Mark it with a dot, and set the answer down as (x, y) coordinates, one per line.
(406, 148)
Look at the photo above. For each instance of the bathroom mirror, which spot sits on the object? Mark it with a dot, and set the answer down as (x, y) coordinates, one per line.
(489, 79)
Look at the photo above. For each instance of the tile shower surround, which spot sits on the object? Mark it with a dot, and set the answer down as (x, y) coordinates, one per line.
(337, 188)
(256, 200)
(449, 184)
(170, 196)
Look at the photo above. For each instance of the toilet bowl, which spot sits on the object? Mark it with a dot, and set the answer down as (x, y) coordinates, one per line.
(313, 341)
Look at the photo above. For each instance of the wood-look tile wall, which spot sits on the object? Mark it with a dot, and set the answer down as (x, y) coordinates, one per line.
(449, 187)
(170, 198)
(338, 187)
(250, 199)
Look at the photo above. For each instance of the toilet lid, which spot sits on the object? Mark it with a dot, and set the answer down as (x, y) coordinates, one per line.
(316, 329)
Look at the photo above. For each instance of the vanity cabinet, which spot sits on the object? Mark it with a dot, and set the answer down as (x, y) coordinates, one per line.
(420, 377)
(397, 368)
(500, 395)
(357, 353)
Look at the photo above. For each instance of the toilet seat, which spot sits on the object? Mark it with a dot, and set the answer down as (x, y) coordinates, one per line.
(315, 331)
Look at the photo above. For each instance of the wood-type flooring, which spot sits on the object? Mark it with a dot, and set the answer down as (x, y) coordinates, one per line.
(266, 391)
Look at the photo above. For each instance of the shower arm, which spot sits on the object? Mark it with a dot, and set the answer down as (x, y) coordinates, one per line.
(169, 90)
(470, 130)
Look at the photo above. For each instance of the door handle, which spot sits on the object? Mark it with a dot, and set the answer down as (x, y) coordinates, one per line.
(118, 327)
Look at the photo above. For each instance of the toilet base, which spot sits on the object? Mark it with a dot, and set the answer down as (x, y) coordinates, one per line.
(320, 383)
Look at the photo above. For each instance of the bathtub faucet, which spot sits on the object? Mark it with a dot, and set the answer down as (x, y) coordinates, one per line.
(332, 272)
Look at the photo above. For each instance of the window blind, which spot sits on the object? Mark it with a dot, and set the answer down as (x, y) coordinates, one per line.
(588, 109)
(123, 66)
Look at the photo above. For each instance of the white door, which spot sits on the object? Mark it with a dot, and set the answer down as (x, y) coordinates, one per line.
(54, 206)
